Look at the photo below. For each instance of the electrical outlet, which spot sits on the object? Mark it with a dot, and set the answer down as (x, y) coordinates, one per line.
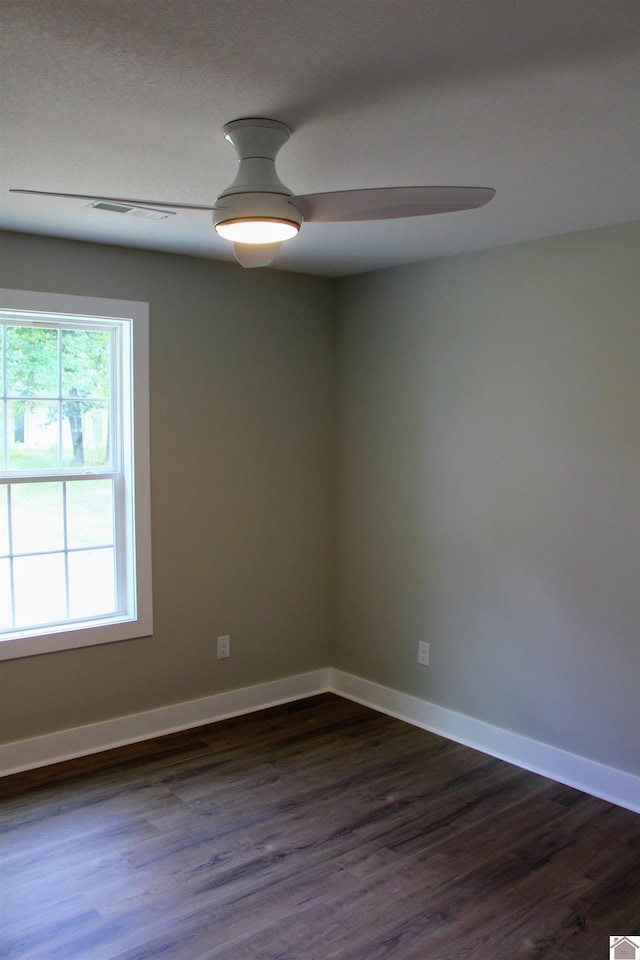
(424, 650)
(224, 647)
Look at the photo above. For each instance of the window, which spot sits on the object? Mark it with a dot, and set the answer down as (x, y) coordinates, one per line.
(75, 546)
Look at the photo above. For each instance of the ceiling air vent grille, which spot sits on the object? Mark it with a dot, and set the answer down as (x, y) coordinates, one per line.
(146, 212)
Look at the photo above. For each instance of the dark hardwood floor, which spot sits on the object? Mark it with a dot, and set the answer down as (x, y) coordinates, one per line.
(319, 830)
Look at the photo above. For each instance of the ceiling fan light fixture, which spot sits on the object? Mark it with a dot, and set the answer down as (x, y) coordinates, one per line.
(257, 229)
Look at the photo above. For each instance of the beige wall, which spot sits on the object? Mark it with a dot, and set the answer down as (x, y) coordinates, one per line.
(241, 475)
(487, 476)
(489, 487)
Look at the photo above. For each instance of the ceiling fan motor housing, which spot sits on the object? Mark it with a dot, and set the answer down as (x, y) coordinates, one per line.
(256, 206)
(257, 192)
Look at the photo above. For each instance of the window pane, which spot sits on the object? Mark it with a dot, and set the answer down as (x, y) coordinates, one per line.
(5, 596)
(32, 434)
(37, 518)
(4, 521)
(39, 589)
(85, 391)
(90, 513)
(32, 362)
(91, 583)
(85, 433)
(85, 363)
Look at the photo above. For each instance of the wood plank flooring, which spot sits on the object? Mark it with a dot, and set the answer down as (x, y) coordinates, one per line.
(319, 830)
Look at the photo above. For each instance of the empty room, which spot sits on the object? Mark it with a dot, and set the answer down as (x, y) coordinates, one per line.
(319, 479)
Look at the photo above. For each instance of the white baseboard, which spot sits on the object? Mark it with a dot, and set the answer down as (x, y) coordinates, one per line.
(607, 783)
(94, 737)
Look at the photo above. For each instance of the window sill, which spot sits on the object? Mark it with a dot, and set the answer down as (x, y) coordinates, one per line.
(18, 644)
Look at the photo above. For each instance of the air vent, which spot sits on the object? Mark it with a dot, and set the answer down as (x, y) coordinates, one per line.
(147, 213)
(112, 207)
(151, 214)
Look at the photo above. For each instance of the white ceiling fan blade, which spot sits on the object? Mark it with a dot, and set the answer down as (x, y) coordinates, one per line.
(389, 203)
(124, 200)
(255, 254)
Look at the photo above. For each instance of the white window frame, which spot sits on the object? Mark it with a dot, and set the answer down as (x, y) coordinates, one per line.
(137, 620)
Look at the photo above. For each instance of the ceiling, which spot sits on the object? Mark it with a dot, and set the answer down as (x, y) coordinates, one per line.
(537, 98)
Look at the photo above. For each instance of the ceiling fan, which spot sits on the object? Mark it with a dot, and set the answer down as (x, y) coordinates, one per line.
(257, 211)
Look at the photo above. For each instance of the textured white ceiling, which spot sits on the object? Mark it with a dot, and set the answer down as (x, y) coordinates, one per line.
(537, 98)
